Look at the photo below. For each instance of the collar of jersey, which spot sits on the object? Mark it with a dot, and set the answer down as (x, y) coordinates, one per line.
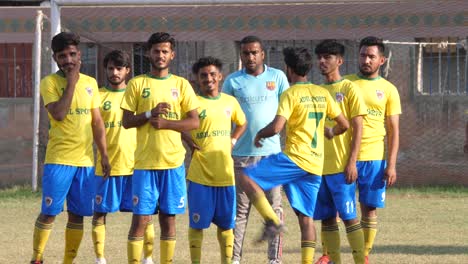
(114, 91)
(212, 98)
(337, 81)
(159, 78)
(60, 73)
(369, 79)
(265, 68)
(303, 83)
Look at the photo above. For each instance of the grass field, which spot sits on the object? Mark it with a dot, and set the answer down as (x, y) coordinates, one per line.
(418, 226)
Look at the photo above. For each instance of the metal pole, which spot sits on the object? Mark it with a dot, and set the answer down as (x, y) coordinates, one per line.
(36, 96)
(419, 69)
(55, 22)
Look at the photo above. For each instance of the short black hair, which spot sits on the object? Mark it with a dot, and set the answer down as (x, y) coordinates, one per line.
(252, 39)
(63, 40)
(298, 59)
(330, 46)
(118, 57)
(207, 61)
(373, 41)
(160, 37)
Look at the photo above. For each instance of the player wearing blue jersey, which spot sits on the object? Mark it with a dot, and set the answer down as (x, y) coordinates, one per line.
(258, 88)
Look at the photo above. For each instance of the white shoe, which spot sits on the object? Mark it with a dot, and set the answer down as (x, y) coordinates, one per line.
(235, 262)
(147, 261)
(101, 261)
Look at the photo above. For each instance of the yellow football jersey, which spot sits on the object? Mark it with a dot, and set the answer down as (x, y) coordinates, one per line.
(305, 106)
(159, 148)
(213, 164)
(337, 150)
(121, 142)
(71, 140)
(382, 100)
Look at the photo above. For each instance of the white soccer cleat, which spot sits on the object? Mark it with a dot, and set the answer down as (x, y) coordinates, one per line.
(101, 261)
(147, 261)
(235, 262)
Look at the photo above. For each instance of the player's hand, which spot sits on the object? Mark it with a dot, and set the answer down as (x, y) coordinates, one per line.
(73, 74)
(106, 167)
(158, 122)
(351, 173)
(193, 147)
(161, 109)
(258, 141)
(390, 176)
(329, 132)
(465, 148)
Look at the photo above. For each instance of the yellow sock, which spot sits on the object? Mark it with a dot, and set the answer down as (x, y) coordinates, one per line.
(369, 227)
(324, 247)
(264, 208)
(356, 241)
(167, 247)
(99, 238)
(195, 242)
(73, 236)
(307, 251)
(331, 241)
(134, 248)
(149, 241)
(226, 244)
(40, 238)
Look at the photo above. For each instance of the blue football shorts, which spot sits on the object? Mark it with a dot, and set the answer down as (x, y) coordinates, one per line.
(211, 204)
(335, 195)
(300, 186)
(159, 190)
(371, 183)
(113, 194)
(76, 184)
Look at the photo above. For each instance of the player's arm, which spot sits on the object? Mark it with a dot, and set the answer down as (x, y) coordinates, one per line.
(99, 135)
(273, 128)
(237, 133)
(393, 142)
(187, 138)
(130, 120)
(341, 126)
(190, 122)
(58, 110)
(350, 169)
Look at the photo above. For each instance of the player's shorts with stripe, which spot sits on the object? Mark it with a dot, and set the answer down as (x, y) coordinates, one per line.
(370, 182)
(300, 186)
(211, 204)
(159, 190)
(76, 184)
(335, 195)
(113, 194)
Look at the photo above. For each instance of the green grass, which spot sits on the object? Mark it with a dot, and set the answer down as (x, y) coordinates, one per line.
(419, 225)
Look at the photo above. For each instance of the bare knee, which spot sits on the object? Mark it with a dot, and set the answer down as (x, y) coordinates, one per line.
(139, 222)
(167, 223)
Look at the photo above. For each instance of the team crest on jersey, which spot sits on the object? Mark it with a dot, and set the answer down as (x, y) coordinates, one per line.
(196, 217)
(48, 201)
(380, 94)
(175, 93)
(89, 90)
(339, 97)
(135, 200)
(271, 85)
(98, 199)
(228, 112)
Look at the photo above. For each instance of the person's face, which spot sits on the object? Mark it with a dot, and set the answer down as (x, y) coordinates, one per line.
(329, 63)
(370, 60)
(161, 55)
(208, 78)
(252, 56)
(68, 58)
(116, 74)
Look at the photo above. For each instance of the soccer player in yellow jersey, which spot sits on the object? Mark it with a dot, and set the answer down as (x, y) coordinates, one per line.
(160, 105)
(115, 192)
(303, 107)
(337, 191)
(375, 172)
(72, 101)
(211, 185)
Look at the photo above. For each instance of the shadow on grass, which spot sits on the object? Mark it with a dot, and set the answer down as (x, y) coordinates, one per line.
(405, 249)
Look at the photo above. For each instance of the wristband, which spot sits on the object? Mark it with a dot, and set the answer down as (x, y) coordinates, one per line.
(331, 131)
(233, 141)
(148, 114)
